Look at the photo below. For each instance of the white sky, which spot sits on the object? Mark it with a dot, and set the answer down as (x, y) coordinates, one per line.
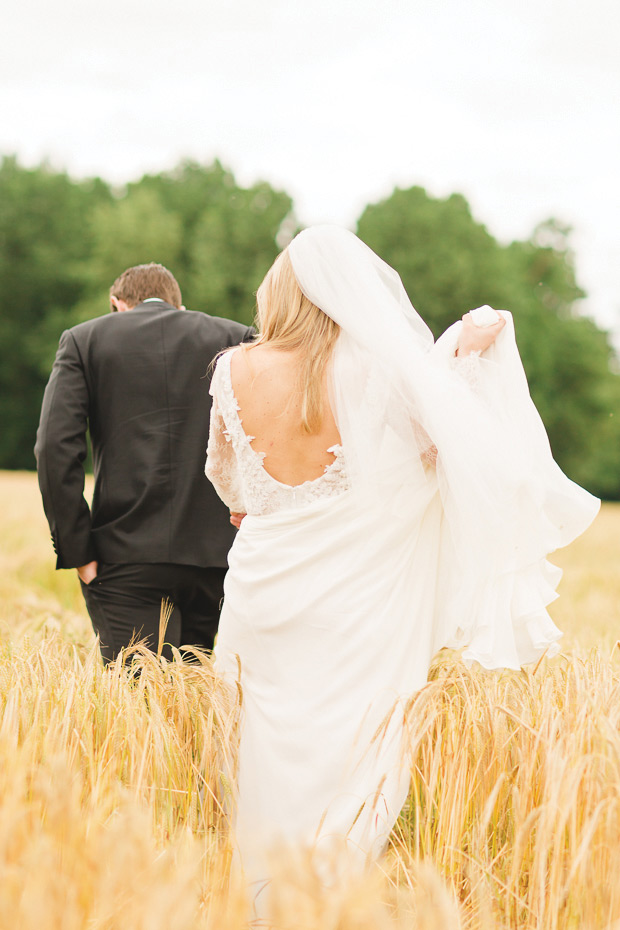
(514, 103)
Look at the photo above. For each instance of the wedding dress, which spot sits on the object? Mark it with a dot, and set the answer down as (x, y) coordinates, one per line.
(429, 529)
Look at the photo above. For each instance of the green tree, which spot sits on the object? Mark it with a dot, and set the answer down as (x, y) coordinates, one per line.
(62, 243)
(132, 229)
(45, 238)
(448, 263)
(233, 248)
(217, 238)
(188, 191)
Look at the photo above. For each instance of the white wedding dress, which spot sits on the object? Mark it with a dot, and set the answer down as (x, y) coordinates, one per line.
(341, 590)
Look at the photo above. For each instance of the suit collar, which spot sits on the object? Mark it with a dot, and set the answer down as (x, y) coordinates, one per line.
(153, 304)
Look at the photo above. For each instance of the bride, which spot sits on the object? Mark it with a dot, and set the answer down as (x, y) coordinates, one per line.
(394, 497)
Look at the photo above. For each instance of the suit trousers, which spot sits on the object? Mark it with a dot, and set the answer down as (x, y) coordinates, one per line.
(125, 602)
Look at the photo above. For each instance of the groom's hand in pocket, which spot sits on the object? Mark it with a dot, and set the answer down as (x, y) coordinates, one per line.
(88, 572)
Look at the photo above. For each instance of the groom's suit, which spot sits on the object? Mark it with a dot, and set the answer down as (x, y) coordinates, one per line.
(137, 381)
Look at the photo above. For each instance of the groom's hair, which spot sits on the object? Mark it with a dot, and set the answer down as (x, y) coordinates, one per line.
(143, 281)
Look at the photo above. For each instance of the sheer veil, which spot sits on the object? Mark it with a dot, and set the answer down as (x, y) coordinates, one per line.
(397, 397)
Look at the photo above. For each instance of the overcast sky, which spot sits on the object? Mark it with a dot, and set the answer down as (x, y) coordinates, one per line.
(514, 103)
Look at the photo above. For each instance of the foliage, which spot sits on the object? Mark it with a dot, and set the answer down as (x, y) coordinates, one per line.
(228, 236)
(44, 239)
(63, 242)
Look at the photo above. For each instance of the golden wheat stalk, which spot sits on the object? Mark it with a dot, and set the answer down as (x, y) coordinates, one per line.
(115, 787)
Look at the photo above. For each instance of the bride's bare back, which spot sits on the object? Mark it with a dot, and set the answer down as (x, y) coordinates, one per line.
(265, 383)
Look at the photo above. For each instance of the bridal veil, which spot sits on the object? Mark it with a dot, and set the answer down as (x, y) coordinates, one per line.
(397, 397)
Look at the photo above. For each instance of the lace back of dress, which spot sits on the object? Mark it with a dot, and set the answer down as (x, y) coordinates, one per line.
(236, 464)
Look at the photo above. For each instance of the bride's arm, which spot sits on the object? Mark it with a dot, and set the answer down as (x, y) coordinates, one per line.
(428, 450)
(221, 466)
(473, 341)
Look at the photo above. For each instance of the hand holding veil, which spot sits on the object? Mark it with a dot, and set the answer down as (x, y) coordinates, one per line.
(395, 394)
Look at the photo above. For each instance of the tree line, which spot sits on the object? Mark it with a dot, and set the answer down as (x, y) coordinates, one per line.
(63, 241)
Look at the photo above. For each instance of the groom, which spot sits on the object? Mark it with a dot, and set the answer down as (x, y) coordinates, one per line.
(135, 379)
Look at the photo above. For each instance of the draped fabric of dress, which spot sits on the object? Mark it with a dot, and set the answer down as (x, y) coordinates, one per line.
(340, 591)
(327, 621)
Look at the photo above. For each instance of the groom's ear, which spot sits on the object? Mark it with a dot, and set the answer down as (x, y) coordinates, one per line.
(117, 305)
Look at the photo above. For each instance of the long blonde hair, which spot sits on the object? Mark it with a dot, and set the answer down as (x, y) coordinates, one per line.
(288, 320)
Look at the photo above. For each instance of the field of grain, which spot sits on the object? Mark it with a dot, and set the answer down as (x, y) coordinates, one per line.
(115, 789)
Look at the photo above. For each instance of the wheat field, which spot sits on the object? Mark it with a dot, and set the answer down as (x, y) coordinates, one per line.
(116, 788)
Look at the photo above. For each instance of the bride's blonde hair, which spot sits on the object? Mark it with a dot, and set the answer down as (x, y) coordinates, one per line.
(288, 320)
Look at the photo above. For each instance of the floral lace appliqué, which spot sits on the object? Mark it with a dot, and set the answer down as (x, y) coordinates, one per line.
(468, 367)
(237, 470)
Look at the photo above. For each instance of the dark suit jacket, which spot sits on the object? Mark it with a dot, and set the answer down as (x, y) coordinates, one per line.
(137, 380)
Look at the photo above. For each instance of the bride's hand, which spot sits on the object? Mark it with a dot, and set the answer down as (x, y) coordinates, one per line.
(236, 518)
(478, 338)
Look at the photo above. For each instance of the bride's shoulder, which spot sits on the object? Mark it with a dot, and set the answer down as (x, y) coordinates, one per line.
(252, 361)
(263, 373)
(224, 360)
